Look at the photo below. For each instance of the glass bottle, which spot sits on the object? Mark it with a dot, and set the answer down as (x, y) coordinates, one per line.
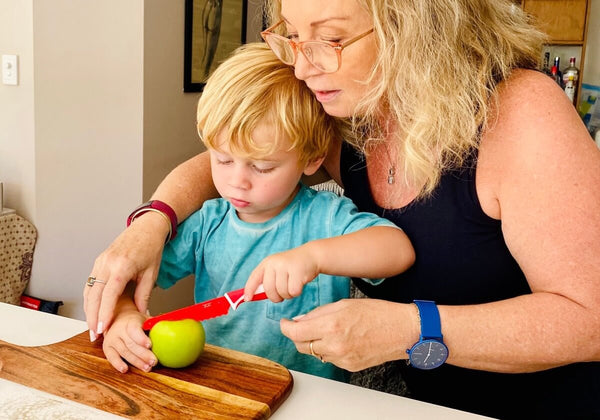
(546, 66)
(570, 87)
(555, 76)
(570, 77)
(558, 72)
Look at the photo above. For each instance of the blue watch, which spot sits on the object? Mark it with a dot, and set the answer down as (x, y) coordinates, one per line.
(430, 351)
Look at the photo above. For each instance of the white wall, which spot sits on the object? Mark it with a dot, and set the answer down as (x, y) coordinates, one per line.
(94, 124)
(17, 148)
(88, 78)
(169, 114)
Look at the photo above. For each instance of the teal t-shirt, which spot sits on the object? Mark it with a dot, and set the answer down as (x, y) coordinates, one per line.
(221, 251)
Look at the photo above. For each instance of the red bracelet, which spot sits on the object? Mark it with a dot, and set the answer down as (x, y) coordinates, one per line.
(160, 207)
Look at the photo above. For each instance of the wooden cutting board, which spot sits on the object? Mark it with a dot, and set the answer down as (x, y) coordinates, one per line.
(222, 384)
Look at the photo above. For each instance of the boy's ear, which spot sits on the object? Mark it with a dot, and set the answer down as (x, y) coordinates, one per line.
(313, 166)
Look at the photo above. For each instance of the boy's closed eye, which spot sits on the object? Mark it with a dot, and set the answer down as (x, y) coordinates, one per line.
(263, 169)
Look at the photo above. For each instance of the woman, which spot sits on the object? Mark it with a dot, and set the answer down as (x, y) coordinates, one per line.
(486, 166)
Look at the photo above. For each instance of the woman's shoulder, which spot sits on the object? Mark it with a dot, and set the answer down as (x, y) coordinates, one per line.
(529, 107)
(527, 93)
(532, 125)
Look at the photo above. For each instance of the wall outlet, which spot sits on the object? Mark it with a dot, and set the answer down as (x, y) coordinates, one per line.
(10, 69)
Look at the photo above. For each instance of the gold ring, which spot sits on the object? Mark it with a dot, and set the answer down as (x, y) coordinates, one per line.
(91, 280)
(312, 352)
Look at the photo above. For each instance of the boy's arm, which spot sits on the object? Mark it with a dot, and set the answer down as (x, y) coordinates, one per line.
(373, 252)
(125, 338)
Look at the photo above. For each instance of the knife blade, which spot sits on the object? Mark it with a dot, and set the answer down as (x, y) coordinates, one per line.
(206, 310)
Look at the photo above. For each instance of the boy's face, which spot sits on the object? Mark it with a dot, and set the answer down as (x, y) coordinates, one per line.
(258, 189)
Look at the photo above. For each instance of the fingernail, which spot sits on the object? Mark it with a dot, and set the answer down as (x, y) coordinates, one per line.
(100, 328)
(296, 318)
(148, 312)
(153, 362)
(146, 368)
(92, 336)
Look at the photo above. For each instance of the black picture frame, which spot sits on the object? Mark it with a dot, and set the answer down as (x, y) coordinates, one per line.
(206, 46)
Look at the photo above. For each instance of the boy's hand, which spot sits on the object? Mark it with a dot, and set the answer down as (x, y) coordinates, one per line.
(125, 339)
(283, 275)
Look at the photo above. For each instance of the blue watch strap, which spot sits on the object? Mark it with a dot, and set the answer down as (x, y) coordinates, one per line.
(431, 326)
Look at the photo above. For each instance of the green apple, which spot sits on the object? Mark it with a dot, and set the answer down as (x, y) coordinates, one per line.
(177, 344)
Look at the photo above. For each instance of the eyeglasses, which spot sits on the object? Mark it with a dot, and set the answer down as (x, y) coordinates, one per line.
(324, 55)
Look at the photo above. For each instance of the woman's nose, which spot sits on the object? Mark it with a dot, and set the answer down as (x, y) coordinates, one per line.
(303, 69)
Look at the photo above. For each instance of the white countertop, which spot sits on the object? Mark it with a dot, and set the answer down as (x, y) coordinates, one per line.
(311, 398)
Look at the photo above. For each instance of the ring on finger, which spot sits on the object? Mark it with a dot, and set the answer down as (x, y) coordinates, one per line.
(310, 346)
(91, 280)
(313, 353)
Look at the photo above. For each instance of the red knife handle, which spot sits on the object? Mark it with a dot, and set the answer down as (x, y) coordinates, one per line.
(236, 297)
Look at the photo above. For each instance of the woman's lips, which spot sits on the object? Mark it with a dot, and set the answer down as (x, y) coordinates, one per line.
(239, 203)
(326, 95)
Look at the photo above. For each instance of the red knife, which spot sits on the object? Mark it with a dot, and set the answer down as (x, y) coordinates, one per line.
(206, 310)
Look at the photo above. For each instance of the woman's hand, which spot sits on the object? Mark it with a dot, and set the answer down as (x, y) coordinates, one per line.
(125, 339)
(133, 256)
(355, 334)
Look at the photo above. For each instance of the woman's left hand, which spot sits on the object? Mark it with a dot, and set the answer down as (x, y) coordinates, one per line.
(355, 334)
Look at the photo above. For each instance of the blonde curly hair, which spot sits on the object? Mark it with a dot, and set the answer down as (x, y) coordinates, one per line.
(436, 76)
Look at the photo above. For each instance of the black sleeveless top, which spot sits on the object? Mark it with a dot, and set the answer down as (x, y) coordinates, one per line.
(461, 259)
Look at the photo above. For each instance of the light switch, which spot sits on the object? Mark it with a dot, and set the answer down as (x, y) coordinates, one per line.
(10, 70)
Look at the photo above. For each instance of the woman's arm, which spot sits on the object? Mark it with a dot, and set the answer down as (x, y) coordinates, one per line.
(187, 186)
(539, 172)
(135, 254)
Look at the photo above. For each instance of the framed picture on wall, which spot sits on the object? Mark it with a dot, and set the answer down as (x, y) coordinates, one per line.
(213, 29)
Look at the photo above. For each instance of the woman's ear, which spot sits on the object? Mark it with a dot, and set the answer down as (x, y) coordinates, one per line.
(312, 166)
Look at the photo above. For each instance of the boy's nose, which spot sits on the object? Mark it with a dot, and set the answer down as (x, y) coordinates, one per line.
(239, 178)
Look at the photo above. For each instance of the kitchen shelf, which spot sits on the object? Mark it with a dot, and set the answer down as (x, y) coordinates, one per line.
(566, 23)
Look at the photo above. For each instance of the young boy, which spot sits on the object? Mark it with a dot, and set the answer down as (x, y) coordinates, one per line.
(264, 129)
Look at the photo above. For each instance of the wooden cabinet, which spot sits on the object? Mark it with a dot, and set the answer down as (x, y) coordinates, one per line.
(566, 22)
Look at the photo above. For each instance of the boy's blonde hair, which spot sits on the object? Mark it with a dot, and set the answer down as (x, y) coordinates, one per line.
(436, 76)
(253, 86)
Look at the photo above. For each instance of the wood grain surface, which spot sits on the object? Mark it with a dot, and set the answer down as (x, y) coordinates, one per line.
(222, 384)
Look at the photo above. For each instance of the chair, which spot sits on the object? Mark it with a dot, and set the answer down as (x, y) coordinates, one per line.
(17, 242)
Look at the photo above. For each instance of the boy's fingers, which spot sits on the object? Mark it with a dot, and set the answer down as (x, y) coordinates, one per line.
(114, 358)
(252, 284)
(139, 336)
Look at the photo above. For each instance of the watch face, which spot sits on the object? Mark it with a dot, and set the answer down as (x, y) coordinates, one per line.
(428, 354)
